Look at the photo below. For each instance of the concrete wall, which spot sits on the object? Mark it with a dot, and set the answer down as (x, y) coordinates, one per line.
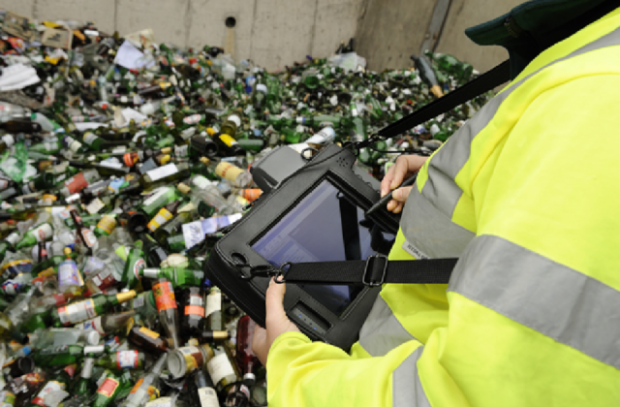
(275, 33)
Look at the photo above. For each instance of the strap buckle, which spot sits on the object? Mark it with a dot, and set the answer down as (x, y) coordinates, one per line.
(258, 271)
(370, 266)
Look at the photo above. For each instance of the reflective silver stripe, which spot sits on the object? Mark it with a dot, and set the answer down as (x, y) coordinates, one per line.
(430, 230)
(381, 331)
(555, 300)
(440, 188)
(407, 390)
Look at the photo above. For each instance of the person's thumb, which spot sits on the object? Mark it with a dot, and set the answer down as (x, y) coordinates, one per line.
(401, 194)
(273, 303)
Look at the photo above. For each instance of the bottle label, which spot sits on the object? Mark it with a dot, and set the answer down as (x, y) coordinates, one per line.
(60, 299)
(43, 232)
(181, 151)
(228, 171)
(107, 223)
(162, 172)
(89, 138)
(193, 358)
(7, 398)
(50, 387)
(147, 332)
(193, 119)
(208, 397)
(104, 279)
(151, 199)
(214, 303)
(92, 325)
(69, 275)
(235, 119)
(127, 359)
(89, 237)
(129, 161)
(15, 268)
(108, 387)
(227, 140)
(78, 312)
(76, 183)
(196, 306)
(95, 206)
(220, 367)
(201, 182)
(164, 296)
(111, 164)
(162, 217)
(51, 147)
(137, 266)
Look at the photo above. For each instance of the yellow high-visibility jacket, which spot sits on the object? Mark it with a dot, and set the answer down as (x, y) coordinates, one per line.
(527, 195)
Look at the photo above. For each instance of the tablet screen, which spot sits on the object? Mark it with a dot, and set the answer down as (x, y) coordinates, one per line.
(324, 226)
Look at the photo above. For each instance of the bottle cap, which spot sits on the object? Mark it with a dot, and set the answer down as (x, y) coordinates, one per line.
(204, 160)
(184, 188)
(165, 159)
(220, 335)
(176, 364)
(210, 131)
(92, 337)
(66, 251)
(249, 379)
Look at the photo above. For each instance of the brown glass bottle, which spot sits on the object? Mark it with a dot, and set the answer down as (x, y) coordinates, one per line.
(148, 340)
(193, 311)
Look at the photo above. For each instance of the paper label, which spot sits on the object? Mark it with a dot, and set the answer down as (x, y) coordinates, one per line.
(414, 251)
(77, 312)
(164, 296)
(214, 303)
(127, 359)
(43, 232)
(95, 206)
(92, 325)
(149, 333)
(89, 137)
(111, 164)
(50, 387)
(193, 358)
(76, 183)
(181, 151)
(107, 223)
(137, 266)
(162, 172)
(108, 387)
(69, 275)
(201, 182)
(219, 367)
(193, 234)
(162, 217)
(228, 140)
(193, 119)
(151, 199)
(208, 397)
(89, 237)
(228, 171)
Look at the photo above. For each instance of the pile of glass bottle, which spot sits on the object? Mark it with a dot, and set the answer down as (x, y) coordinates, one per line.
(106, 221)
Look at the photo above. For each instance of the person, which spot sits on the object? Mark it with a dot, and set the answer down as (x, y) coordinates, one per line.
(526, 194)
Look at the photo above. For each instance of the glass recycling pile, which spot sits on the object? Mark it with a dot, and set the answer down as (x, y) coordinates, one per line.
(121, 161)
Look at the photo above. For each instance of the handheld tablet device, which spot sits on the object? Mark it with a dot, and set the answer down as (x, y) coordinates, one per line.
(315, 215)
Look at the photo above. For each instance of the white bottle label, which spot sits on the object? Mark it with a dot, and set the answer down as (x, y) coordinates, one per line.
(151, 199)
(127, 359)
(95, 206)
(208, 397)
(214, 303)
(43, 232)
(89, 138)
(201, 182)
(181, 151)
(78, 312)
(162, 172)
(219, 367)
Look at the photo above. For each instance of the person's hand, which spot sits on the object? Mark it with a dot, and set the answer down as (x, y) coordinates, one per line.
(276, 322)
(405, 167)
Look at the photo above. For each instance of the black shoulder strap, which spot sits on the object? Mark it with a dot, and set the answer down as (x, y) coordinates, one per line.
(377, 269)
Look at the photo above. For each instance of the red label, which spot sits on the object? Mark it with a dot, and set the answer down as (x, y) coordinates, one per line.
(194, 310)
(164, 296)
(60, 299)
(38, 401)
(76, 183)
(108, 387)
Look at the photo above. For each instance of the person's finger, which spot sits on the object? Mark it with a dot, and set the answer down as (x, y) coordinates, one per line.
(273, 303)
(401, 194)
(398, 208)
(387, 181)
(391, 205)
(401, 169)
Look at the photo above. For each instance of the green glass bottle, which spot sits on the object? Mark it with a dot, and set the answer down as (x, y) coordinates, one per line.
(63, 355)
(105, 225)
(147, 386)
(165, 174)
(49, 146)
(133, 266)
(108, 390)
(40, 233)
(82, 310)
(122, 359)
(179, 277)
(163, 196)
(213, 311)
(84, 387)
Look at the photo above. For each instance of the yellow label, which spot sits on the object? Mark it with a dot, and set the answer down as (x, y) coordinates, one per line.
(162, 217)
(107, 223)
(228, 171)
(149, 333)
(228, 140)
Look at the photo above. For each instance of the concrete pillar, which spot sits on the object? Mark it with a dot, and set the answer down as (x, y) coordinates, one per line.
(391, 30)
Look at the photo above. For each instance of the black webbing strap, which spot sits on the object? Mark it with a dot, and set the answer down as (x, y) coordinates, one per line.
(372, 272)
(484, 83)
